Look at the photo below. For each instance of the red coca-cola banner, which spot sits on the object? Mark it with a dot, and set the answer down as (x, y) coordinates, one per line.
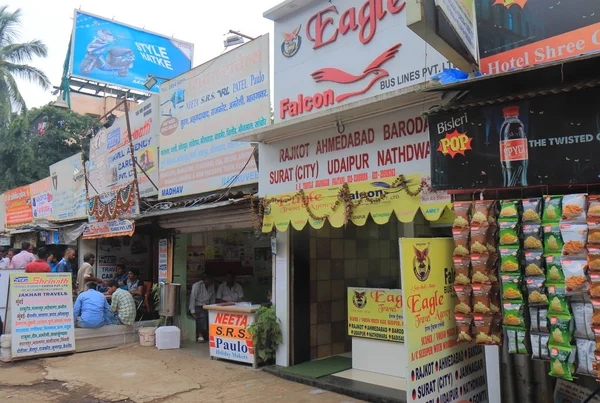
(551, 140)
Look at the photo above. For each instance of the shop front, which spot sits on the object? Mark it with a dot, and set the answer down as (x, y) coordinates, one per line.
(523, 170)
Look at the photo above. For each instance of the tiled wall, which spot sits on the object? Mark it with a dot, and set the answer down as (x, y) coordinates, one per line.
(342, 258)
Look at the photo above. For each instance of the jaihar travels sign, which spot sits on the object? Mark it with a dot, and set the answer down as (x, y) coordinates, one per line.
(332, 54)
(551, 140)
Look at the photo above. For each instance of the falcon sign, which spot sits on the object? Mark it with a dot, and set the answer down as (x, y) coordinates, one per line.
(338, 53)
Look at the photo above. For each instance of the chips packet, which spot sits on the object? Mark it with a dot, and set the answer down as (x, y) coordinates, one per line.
(509, 260)
(509, 233)
(483, 329)
(543, 319)
(462, 273)
(463, 293)
(594, 259)
(593, 213)
(531, 211)
(479, 240)
(561, 331)
(533, 237)
(535, 346)
(461, 214)
(596, 315)
(578, 309)
(461, 241)
(575, 276)
(552, 209)
(483, 212)
(557, 300)
(593, 238)
(481, 298)
(513, 314)
(509, 210)
(536, 291)
(554, 272)
(574, 237)
(574, 208)
(463, 327)
(595, 284)
(511, 288)
(552, 239)
(588, 311)
(481, 272)
(534, 264)
(534, 320)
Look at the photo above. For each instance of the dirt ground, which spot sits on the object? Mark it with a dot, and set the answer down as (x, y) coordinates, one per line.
(145, 374)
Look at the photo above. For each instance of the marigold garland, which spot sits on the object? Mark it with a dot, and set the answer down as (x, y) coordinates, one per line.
(111, 209)
(343, 196)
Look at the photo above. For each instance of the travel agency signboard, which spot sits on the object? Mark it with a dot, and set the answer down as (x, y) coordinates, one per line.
(332, 54)
(68, 189)
(201, 110)
(18, 207)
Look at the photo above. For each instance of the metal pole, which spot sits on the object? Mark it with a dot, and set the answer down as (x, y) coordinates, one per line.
(133, 161)
(231, 31)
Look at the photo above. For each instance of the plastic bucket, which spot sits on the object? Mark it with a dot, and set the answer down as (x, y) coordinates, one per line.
(147, 336)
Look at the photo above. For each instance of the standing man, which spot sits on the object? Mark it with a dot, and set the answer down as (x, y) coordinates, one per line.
(230, 291)
(86, 272)
(64, 266)
(122, 306)
(91, 308)
(23, 258)
(203, 293)
(39, 265)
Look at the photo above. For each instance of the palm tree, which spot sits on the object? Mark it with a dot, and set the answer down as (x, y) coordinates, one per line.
(13, 59)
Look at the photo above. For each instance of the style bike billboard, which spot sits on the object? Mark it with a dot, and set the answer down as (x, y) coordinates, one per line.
(551, 140)
(201, 110)
(518, 33)
(329, 54)
(114, 53)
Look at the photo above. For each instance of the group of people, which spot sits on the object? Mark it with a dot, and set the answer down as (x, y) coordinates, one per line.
(203, 293)
(42, 261)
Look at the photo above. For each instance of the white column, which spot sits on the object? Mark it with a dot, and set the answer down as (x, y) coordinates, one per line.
(85, 246)
(282, 293)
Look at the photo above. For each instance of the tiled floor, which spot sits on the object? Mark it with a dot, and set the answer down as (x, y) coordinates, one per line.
(373, 378)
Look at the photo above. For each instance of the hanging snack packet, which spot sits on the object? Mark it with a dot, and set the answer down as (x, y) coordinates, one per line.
(544, 352)
(558, 300)
(511, 337)
(574, 208)
(588, 312)
(534, 321)
(591, 358)
(481, 272)
(594, 259)
(561, 331)
(552, 209)
(536, 291)
(595, 284)
(461, 214)
(509, 233)
(575, 278)
(497, 330)
(559, 363)
(463, 293)
(552, 239)
(463, 328)
(495, 299)
(531, 211)
(522, 342)
(461, 241)
(574, 237)
(479, 240)
(596, 315)
(582, 356)
(483, 329)
(509, 210)
(593, 238)
(492, 266)
(483, 212)
(593, 213)
(490, 239)
(481, 298)
(513, 315)
(543, 318)
(535, 346)
(509, 260)
(579, 319)
(462, 275)
(534, 264)
(511, 288)
(532, 237)
(554, 272)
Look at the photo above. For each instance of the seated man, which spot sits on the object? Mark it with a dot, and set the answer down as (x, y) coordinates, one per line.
(91, 308)
(121, 276)
(230, 291)
(122, 307)
(134, 285)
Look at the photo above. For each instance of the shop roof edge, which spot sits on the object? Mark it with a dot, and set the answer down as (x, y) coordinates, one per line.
(285, 8)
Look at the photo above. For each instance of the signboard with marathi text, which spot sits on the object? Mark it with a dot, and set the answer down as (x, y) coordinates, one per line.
(41, 307)
(163, 257)
(329, 54)
(201, 109)
(375, 314)
(229, 337)
(41, 199)
(438, 367)
(18, 207)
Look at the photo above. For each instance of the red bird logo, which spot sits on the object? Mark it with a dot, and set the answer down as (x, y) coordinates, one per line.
(374, 70)
(291, 36)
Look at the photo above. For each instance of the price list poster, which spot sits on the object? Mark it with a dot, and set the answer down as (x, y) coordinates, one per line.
(41, 306)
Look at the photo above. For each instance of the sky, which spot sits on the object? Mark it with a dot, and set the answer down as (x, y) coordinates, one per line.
(201, 22)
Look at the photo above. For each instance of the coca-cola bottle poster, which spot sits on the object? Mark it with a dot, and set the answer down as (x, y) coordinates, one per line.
(541, 141)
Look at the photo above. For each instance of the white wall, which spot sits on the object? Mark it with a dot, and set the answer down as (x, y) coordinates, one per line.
(281, 295)
(86, 246)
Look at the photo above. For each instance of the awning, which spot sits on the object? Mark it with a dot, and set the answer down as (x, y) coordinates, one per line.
(378, 199)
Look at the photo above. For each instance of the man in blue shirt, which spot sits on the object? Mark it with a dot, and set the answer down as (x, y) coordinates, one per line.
(64, 266)
(91, 308)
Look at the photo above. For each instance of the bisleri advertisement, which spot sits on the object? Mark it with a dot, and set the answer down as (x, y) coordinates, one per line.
(114, 53)
(334, 53)
(201, 110)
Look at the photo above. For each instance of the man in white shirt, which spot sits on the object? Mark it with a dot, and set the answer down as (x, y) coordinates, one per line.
(23, 258)
(203, 293)
(230, 291)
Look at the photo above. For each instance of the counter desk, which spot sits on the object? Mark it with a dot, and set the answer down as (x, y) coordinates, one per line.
(228, 332)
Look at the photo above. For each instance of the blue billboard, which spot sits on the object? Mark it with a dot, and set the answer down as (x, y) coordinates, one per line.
(110, 52)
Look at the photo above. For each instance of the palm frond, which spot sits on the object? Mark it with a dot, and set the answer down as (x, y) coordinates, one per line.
(29, 73)
(9, 23)
(23, 52)
(16, 99)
